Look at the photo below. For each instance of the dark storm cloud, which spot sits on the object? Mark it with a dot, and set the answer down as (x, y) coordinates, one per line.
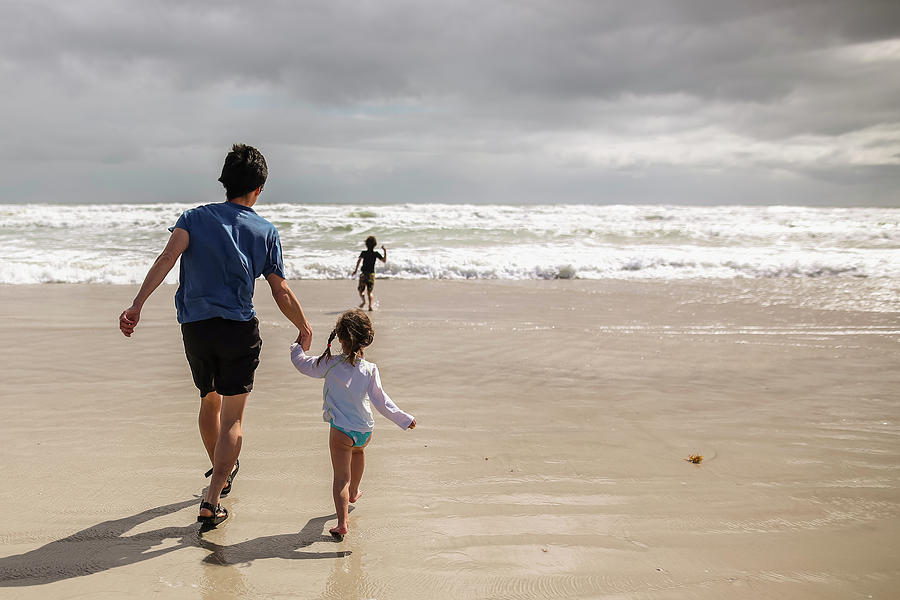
(374, 91)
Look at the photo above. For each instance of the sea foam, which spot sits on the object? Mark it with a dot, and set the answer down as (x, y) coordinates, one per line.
(115, 244)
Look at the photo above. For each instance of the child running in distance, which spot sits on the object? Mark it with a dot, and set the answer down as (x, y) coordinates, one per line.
(351, 382)
(367, 275)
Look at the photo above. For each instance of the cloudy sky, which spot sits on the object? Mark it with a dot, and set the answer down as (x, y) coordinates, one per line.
(608, 101)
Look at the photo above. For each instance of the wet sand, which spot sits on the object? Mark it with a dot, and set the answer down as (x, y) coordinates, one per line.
(554, 419)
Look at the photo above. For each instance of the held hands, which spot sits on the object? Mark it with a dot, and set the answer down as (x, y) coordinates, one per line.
(304, 338)
(128, 320)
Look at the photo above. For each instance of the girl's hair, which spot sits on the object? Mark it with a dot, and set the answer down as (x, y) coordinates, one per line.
(353, 328)
(370, 242)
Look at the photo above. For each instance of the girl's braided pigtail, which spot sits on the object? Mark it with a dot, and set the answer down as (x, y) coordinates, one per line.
(327, 353)
(354, 345)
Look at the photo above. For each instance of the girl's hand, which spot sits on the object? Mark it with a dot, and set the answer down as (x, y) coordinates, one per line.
(412, 425)
(304, 338)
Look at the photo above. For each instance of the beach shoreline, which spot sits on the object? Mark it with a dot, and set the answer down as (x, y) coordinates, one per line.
(554, 420)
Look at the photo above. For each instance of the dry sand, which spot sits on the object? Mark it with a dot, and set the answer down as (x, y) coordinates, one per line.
(554, 418)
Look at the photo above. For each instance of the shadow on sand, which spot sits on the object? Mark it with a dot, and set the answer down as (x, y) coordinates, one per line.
(285, 545)
(104, 546)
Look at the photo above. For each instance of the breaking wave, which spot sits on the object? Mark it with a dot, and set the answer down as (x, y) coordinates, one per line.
(115, 244)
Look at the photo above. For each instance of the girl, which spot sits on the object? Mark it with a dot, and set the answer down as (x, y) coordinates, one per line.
(350, 383)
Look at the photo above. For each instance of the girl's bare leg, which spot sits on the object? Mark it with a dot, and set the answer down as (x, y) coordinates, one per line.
(357, 466)
(341, 447)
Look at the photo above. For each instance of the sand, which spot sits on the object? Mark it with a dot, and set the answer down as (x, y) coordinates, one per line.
(554, 420)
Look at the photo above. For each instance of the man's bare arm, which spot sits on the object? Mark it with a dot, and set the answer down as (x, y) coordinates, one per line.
(290, 307)
(177, 244)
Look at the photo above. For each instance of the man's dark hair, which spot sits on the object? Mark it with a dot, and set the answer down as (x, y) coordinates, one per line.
(244, 170)
(370, 242)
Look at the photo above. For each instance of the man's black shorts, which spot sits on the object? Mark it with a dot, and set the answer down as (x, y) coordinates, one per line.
(223, 354)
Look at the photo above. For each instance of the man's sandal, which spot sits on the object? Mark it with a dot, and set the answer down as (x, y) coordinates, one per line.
(227, 489)
(219, 514)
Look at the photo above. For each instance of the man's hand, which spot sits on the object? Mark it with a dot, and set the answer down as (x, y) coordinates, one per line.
(412, 425)
(128, 320)
(177, 244)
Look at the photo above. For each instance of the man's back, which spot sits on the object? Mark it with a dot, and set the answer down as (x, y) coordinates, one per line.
(230, 246)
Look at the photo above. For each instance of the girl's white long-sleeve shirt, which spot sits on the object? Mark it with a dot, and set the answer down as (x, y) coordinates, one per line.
(348, 390)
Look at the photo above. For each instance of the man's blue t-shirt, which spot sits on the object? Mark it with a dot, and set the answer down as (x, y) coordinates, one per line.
(230, 246)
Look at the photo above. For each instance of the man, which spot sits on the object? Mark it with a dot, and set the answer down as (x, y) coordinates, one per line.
(223, 247)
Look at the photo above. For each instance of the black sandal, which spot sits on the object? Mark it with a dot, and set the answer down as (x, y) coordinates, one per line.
(227, 489)
(219, 514)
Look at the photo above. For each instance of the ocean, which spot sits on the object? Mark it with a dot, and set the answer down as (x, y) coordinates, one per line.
(856, 250)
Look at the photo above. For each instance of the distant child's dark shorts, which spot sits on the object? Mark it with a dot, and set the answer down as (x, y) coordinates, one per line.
(223, 354)
(366, 281)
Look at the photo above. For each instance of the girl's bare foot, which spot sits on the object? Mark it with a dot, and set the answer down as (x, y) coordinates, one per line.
(356, 497)
(338, 533)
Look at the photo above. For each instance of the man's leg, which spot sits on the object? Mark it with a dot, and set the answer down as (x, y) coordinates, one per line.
(228, 446)
(210, 406)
